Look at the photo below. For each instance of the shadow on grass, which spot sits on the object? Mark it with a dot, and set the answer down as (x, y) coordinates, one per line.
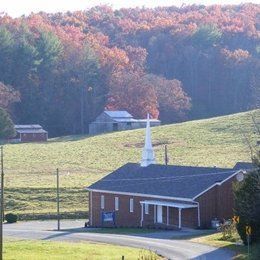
(119, 231)
(196, 234)
(232, 244)
(67, 138)
(218, 254)
(59, 234)
(241, 251)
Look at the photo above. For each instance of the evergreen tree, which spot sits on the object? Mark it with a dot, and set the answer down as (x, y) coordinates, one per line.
(247, 202)
(247, 205)
(6, 52)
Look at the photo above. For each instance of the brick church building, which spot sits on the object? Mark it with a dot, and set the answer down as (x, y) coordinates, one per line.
(155, 195)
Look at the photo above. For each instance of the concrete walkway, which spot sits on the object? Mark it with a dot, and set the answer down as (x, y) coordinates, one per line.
(159, 242)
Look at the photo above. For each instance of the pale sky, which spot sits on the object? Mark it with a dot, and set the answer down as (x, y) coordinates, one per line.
(19, 7)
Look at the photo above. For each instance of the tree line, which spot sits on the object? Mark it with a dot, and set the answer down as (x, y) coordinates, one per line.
(61, 70)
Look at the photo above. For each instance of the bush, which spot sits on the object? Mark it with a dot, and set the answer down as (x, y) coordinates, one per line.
(11, 218)
(147, 255)
(227, 229)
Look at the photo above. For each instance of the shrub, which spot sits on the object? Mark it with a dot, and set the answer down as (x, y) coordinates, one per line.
(11, 218)
(228, 229)
(147, 255)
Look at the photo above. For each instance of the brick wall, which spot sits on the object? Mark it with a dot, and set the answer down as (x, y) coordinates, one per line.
(125, 218)
(218, 203)
(37, 137)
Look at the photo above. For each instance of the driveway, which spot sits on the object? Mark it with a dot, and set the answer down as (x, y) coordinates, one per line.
(159, 242)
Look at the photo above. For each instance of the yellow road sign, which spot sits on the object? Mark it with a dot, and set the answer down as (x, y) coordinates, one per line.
(236, 219)
(248, 230)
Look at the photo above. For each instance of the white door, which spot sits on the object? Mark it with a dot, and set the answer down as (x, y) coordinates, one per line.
(159, 214)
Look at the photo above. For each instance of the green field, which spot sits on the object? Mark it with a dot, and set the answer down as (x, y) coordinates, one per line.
(43, 250)
(30, 168)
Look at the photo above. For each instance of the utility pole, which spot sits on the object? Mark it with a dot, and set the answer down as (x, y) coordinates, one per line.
(2, 203)
(166, 159)
(82, 110)
(58, 199)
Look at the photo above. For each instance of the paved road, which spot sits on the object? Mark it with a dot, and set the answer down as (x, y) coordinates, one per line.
(170, 248)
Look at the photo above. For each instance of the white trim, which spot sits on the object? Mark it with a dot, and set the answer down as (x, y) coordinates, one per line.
(131, 205)
(142, 215)
(102, 202)
(116, 203)
(217, 184)
(167, 220)
(146, 209)
(179, 218)
(154, 213)
(140, 195)
(198, 213)
(169, 204)
(159, 214)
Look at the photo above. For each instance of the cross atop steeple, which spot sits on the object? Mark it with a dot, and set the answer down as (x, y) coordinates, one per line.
(148, 153)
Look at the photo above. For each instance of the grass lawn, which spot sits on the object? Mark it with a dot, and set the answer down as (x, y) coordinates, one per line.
(41, 250)
(240, 250)
(30, 168)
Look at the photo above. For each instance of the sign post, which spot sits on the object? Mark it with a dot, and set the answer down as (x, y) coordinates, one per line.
(2, 203)
(58, 198)
(248, 233)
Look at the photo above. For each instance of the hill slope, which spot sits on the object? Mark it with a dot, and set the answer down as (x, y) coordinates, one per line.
(30, 168)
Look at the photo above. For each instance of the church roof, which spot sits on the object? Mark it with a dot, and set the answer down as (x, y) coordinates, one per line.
(244, 165)
(163, 180)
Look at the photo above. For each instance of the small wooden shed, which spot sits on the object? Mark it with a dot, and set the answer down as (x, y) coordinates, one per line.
(30, 133)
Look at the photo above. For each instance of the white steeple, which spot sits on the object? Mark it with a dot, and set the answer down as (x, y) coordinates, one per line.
(148, 153)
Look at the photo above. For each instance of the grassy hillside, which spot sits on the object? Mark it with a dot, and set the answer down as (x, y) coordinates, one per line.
(30, 168)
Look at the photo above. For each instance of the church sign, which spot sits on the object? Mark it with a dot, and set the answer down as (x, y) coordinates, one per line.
(108, 216)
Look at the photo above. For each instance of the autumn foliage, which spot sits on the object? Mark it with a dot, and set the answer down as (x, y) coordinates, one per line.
(176, 63)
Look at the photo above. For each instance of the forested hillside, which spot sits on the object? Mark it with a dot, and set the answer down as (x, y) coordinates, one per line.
(61, 70)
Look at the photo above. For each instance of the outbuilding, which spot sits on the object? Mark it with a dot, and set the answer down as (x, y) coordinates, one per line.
(109, 121)
(168, 196)
(30, 133)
